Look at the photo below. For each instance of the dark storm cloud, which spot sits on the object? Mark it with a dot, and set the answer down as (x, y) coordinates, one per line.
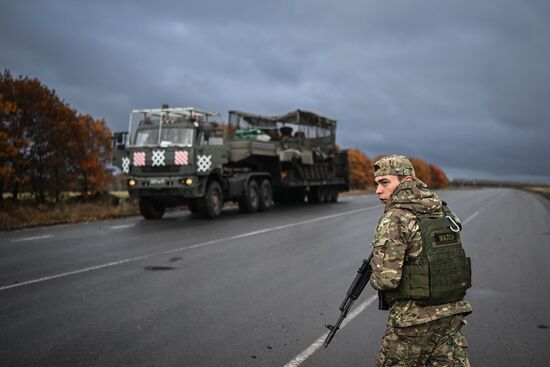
(463, 84)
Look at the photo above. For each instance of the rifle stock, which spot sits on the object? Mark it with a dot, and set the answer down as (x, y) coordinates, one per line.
(356, 288)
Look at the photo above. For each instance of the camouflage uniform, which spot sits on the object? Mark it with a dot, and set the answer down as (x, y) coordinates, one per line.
(415, 335)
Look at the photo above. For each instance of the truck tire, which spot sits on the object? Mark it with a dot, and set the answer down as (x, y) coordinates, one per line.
(316, 195)
(250, 201)
(211, 205)
(266, 196)
(334, 195)
(328, 194)
(312, 196)
(324, 194)
(151, 209)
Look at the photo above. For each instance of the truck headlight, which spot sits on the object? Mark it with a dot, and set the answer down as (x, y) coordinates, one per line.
(131, 182)
(189, 181)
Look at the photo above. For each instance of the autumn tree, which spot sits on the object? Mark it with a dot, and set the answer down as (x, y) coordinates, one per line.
(439, 179)
(422, 170)
(39, 108)
(61, 164)
(91, 152)
(8, 148)
(45, 146)
(14, 147)
(360, 170)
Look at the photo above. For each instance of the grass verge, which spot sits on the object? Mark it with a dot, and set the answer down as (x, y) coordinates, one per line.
(543, 190)
(24, 214)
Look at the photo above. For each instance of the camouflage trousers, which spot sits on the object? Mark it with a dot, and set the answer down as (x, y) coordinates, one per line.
(436, 343)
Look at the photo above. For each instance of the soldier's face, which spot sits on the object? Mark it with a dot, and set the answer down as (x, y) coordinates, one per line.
(385, 186)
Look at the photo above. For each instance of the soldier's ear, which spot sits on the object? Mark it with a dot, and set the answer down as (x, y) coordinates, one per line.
(408, 178)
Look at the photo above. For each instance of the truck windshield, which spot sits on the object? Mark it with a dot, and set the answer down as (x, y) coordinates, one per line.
(168, 136)
(147, 137)
(176, 136)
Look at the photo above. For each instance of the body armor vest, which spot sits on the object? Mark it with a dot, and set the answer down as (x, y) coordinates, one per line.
(442, 271)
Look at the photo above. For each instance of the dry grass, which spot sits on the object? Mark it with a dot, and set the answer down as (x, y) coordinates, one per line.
(543, 190)
(23, 214)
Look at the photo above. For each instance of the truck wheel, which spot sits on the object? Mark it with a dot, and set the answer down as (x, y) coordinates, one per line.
(316, 195)
(151, 209)
(266, 196)
(211, 205)
(250, 202)
(328, 194)
(323, 194)
(334, 195)
(313, 195)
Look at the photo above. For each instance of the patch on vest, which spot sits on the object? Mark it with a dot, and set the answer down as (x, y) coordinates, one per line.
(446, 239)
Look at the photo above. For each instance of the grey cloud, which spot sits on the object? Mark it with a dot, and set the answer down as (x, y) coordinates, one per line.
(460, 84)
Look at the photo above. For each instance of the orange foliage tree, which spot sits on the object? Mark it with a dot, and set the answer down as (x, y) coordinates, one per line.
(45, 147)
(360, 169)
(15, 147)
(423, 171)
(8, 147)
(439, 178)
(432, 175)
(92, 153)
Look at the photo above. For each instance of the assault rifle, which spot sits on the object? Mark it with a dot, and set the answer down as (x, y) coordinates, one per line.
(354, 291)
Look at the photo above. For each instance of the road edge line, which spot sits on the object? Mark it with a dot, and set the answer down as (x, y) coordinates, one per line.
(317, 344)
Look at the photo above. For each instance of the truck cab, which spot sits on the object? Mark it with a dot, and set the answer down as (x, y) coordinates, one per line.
(166, 155)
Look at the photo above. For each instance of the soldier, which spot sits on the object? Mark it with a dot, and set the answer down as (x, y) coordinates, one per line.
(426, 306)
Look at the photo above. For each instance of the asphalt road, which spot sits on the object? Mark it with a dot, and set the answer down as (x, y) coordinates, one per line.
(255, 290)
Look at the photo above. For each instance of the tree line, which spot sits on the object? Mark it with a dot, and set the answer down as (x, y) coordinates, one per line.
(46, 147)
(362, 175)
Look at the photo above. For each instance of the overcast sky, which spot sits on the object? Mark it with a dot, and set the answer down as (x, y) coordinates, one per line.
(459, 83)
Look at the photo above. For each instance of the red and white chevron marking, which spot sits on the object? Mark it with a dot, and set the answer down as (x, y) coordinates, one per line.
(181, 157)
(139, 158)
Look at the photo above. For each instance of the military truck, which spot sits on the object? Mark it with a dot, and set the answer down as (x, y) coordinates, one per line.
(188, 156)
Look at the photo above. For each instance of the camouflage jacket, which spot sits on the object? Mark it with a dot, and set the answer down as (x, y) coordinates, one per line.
(398, 236)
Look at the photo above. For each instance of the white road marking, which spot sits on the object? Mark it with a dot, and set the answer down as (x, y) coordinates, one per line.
(482, 209)
(180, 249)
(123, 226)
(471, 217)
(308, 352)
(33, 238)
(39, 280)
